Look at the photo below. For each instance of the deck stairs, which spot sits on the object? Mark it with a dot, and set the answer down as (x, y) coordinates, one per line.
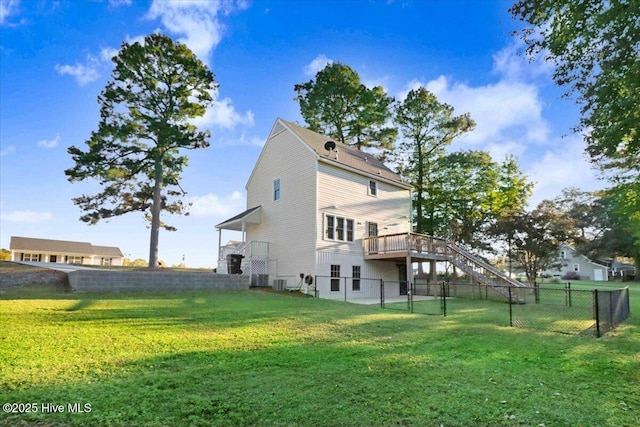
(481, 271)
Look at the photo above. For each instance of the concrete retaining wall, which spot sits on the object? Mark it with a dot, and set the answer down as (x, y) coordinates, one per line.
(135, 281)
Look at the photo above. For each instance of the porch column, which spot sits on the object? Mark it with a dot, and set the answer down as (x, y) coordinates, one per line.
(432, 270)
(219, 244)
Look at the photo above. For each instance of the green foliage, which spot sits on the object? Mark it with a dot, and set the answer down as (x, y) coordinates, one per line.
(253, 358)
(535, 237)
(603, 224)
(595, 47)
(135, 155)
(338, 105)
(427, 126)
(5, 254)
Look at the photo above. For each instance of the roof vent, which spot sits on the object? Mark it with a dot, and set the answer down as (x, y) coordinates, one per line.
(329, 145)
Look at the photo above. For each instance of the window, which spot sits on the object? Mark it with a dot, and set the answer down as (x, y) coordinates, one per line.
(105, 261)
(563, 254)
(276, 189)
(349, 230)
(355, 278)
(31, 257)
(373, 229)
(335, 278)
(373, 188)
(74, 260)
(576, 267)
(340, 228)
(330, 226)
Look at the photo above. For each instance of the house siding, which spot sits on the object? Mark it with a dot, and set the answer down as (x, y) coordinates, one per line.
(287, 224)
(586, 268)
(345, 194)
(342, 193)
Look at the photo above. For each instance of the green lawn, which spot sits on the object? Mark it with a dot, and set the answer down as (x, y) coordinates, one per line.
(258, 358)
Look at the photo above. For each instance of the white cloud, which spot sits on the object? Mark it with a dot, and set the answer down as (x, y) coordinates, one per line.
(5, 151)
(83, 73)
(213, 205)
(564, 165)
(26, 216)
(116, 3)
(197, 21)
(49, 143)
(7, 7)
(223, 114)
(318, 63)
(508, 114)
(511, 63)
(107, 53)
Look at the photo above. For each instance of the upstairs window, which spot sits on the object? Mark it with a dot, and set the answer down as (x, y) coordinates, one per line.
(276, 189)
(339, 228)
(373, 188)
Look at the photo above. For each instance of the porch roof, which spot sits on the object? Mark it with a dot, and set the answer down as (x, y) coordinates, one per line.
(250, 216)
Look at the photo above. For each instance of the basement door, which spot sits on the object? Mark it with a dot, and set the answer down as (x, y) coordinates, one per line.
(402, 277)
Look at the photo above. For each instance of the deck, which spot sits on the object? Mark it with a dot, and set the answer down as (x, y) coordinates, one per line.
(398, 247)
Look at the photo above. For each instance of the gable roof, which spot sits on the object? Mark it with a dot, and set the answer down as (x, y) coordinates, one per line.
(343, 155)
(47, 245)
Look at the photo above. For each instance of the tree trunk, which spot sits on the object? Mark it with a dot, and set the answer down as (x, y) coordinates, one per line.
(155, 214)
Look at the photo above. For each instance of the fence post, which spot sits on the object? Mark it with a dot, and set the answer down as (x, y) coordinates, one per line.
(316, 291)
(596, 312)
(536, 292)
(443, 303)
(381, 293)
(569, 294)
(345, 289)
(410, 297)
(510, 308)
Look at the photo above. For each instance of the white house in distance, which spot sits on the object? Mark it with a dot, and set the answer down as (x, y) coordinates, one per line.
(331, 214)
(62, 251)
(574, 262)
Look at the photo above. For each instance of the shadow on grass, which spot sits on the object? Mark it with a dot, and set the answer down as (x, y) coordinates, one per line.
(319, 362)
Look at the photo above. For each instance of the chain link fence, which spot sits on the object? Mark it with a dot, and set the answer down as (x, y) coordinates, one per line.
(550, 307)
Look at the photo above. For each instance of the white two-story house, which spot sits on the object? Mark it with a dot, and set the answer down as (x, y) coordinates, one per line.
(326, 218)
(310, 203)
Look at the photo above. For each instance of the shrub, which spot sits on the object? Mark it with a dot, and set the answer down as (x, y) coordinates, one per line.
(571, 275)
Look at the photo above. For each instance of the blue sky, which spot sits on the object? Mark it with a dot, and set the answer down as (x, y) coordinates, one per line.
(55, 60)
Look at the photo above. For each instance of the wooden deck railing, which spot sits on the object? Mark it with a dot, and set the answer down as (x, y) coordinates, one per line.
(415, 245)
(403, 243)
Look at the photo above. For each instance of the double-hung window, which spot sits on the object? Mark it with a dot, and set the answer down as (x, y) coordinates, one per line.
(335, 278)
(355, 278)
(339, 228)
(276, 189)
(373, 188)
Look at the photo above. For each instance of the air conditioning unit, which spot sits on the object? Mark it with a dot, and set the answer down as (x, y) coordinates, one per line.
(259, 280)
(279, 284)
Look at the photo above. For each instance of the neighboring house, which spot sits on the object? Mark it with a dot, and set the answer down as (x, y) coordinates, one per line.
(323, 211)
(61, 251)
(621, 270)
(573, 262)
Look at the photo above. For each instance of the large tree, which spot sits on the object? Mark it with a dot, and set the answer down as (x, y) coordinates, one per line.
(338, 105)
(536, 237)
(157, 87)
(427, 127)
(595, 47)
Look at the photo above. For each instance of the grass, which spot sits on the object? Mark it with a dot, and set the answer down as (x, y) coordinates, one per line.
(258, 358)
